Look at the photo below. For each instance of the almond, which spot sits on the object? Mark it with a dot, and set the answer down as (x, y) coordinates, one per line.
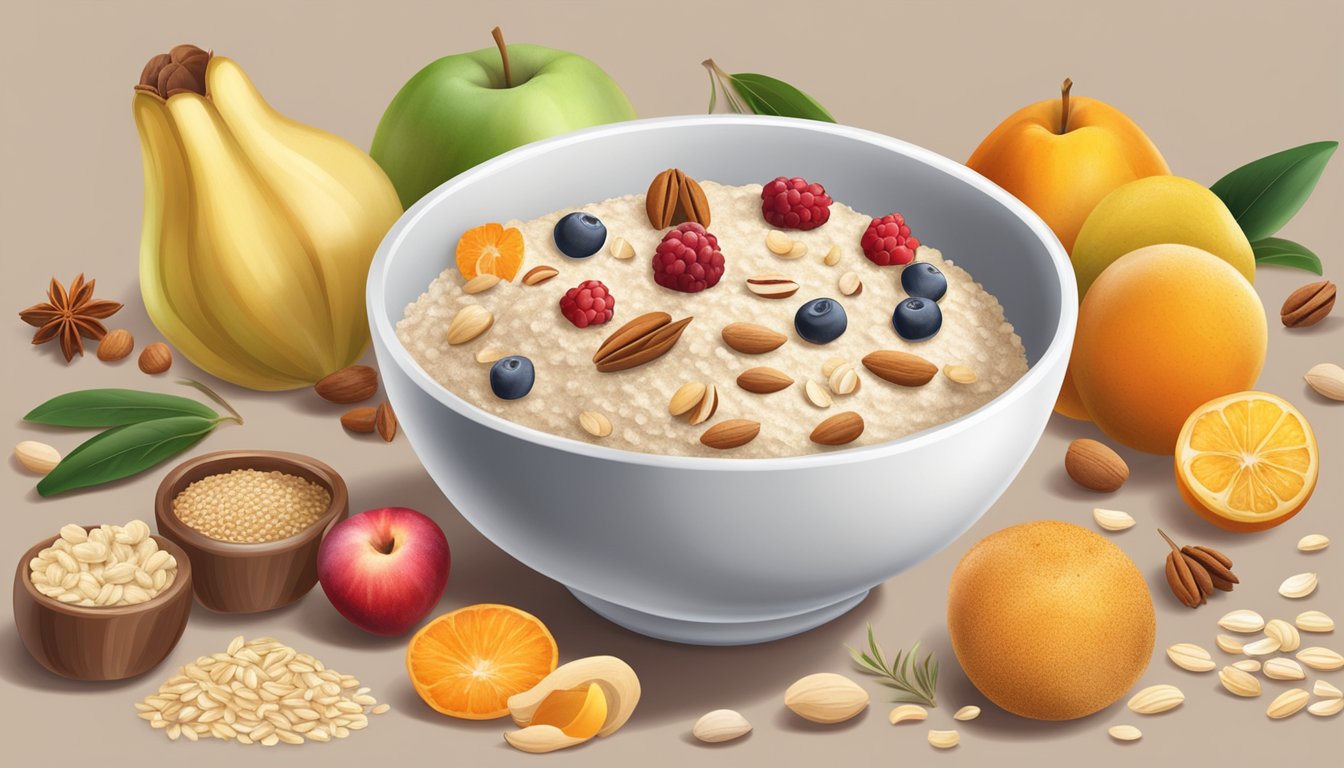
(686, 397)
(826, 698)
(36, 457)
(900, 368)
(844, 380)
(772, 286)
(1228, 644)
(1156, 698)
(642, 340)
(1112, 519)
(469, 322)
(764, 380)
(351, 384)
(1313, 542)
(1284, 669)
(622, 249)
(708, 405)
(959, 374)
(595, 423)
(1243, 621)
(539, 275)
(850, 284)
(115, 345)
(481, 283)
(839, 429)
(491, 355)
(752, 339)
(969, 712)
(832, 256)
(1262, 647)
(817, 394)
(733, 433)
(156, 358)
(1287, 635)
(1299, 586)
(1191, 657)
(1326, 378)
(1308, 305)
(1239, 682)
(1125, 733)
(798, 251)
(1290, 702)
(385, 421)
(1095, 466)
(359, 420)
(944, 739)
(1247, 665)
(1314, 621)
(1326, 690)
(1327, 707)
(907, 713)
(1322, 659)
(778, 243)
(720, 725)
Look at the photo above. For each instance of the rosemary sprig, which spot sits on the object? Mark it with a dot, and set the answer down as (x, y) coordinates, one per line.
(916, 681)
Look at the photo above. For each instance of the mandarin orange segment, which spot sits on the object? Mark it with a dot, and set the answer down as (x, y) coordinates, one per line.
(1246, 461)
(490, 249)
(579, 713)
(468, 663)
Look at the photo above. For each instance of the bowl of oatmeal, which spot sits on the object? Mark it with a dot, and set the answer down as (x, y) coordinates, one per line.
(721, 375)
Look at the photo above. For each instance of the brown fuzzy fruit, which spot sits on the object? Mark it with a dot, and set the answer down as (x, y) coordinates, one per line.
(1049, 620)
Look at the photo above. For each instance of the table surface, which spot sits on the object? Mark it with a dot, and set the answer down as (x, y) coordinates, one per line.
(70, 201)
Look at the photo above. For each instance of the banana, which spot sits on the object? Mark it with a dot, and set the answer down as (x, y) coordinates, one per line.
(258, 230)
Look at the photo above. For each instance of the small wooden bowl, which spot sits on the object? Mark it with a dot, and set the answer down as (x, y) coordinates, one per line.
(86, 643)
(247, 578)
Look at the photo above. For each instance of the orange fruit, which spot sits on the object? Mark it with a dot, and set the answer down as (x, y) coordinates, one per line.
(1050, 620)
(468, 663)
(1246, 462)
(490, 249)
(580, 713)
(1161, 331)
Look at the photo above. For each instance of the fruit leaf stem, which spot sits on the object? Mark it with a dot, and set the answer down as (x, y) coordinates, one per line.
(210, 393)
(498, 34)
(1064, 89)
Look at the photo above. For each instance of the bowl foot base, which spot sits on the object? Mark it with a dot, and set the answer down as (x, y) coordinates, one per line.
(715, 632)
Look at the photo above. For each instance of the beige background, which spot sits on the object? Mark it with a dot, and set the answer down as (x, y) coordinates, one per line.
(1214, 85)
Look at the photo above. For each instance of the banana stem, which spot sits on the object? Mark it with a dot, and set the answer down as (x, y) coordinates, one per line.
(498, 34)
(1064, 105)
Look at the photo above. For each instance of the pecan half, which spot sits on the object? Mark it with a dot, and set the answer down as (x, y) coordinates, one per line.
(1308, 305)
(673, 198)
(1194, 572)
(642, 340)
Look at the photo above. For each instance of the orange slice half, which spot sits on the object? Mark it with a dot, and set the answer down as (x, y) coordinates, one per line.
(1246, 462)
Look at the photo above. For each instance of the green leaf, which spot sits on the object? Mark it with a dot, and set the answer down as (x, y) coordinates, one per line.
(114, 408)
(1286, 253)
(1265, 194)
(766, 95)
(124, 451)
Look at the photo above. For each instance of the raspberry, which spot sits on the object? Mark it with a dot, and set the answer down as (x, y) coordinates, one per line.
(588, 303)
(795, 204)
(887, 241)
(688, 259)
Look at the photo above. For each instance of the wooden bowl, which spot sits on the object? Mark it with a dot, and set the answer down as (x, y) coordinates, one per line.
(87, 643)
(247, 578)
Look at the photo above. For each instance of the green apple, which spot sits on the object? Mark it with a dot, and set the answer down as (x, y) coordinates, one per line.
(463, 110)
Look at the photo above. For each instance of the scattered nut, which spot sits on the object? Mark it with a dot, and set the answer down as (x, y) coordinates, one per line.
(828, 367)
(1112, 519)
(1312, 542)
(1308, 305)
(778, 243)
(1285, 633)
(944, 739)
(959, 374)
(115, 345)
(1325, 690)
(1327, 379)
(351, 384)
(844, 380)
(1190, 657)
(817, 394)
(490, 355)
(1322, 659)
(673, 198)
(1284, 669)
(540, 274)
(826, 697)
(618, 681)
(1327, 707)
(764, 380)
(1314, 621)
(900, 368)
(1125, 733)
(1247, 665)
(752, 339)
(798, 251)
(540, 739)
(840, 429)
(850, 284)
(595, 423)
(481, 283)
(1243, 621)
(733, 433)
(1239, 682)
(907, 713)
(708, 405)
(361, 420)
(967, 713)
(622, 249)
(720, 725)
(1228, 644)
(385, 421)
(686, 397)
(1095, 466)
(156, 358)
(469, 322)
(1299, 586)
(1262, 647)
(772, 285)
(1155, 699)
(832, 256)
(1290, 702)
(36, 457)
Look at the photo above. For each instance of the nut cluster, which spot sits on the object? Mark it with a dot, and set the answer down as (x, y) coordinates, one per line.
(112, 565)
(259, 691)
(1194, 572)
(247, 506)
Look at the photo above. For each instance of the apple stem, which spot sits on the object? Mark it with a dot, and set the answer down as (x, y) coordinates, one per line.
(1063, 105)
(504, 55)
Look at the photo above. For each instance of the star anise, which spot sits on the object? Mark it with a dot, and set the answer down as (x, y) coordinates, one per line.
(69, 315)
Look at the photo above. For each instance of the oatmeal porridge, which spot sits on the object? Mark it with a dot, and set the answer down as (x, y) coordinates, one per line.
(753, 339)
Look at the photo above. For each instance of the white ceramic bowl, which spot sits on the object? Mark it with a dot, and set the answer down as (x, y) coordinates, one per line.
(726, 551)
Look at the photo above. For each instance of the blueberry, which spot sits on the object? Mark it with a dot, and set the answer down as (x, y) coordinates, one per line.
(923, 280)
(512, 377)
(917, 319)
(580, 235)
(820, 321)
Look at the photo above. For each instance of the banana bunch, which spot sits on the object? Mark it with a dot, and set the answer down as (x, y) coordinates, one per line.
(258, 231)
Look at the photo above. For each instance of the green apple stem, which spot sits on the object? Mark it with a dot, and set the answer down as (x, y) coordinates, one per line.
(1063, 105)
(504, 55)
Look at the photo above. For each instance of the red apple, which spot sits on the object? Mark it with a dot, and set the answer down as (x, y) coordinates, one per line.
(384, 569)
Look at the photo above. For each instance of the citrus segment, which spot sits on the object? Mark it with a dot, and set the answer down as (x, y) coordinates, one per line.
(467, 663)
(580, 713)
(1246, 461)
(490, 249)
